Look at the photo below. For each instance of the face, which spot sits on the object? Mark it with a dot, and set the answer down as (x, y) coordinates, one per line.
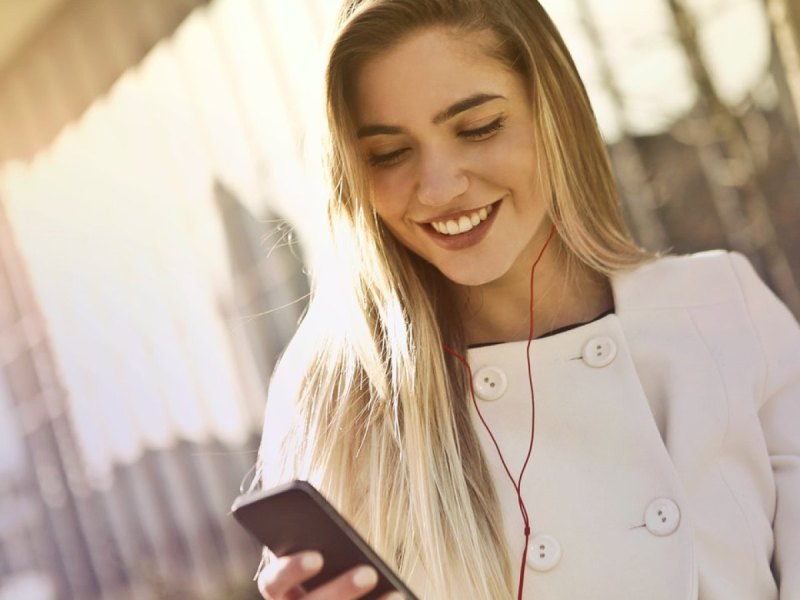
(447, 133)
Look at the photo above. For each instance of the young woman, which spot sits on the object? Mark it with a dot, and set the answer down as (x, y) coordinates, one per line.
(493, 383)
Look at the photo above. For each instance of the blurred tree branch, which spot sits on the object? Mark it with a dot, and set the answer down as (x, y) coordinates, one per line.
(740, 201)
(642, 199)
(785, 21)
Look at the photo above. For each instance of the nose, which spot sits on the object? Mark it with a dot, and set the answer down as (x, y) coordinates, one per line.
(441, 179)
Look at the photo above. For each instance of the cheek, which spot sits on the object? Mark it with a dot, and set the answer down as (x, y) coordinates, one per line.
(510, 159)
(519, 167)
(390, 194)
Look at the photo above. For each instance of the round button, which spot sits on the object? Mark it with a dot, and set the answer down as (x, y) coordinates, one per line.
(599, 351)
(662, 517)
(490, 383)
(544, 553)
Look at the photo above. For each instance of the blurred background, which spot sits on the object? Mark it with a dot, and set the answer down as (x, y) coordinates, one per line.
(160, 198)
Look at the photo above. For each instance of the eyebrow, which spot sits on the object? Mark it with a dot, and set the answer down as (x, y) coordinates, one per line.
(447, 114)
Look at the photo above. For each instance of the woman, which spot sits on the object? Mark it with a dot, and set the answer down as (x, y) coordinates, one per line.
(474, 212)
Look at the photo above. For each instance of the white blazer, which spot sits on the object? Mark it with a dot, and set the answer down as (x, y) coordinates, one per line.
(666, 460)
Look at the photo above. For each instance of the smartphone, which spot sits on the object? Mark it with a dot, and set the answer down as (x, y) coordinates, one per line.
(295, 517)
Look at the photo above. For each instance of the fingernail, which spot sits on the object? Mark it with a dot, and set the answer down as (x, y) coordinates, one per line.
(365, 577)
(312, 561)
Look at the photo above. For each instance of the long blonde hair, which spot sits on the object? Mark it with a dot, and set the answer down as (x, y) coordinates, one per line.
(380, 419)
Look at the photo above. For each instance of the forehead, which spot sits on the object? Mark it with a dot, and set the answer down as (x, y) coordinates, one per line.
(427, 71)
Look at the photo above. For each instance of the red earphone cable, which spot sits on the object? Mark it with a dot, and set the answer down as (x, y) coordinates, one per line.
(518, 482)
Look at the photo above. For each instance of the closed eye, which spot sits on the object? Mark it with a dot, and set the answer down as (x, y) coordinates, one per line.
(484, 132)
(386, 159)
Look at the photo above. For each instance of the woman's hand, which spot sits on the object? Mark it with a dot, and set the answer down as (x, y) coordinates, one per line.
(281, 579)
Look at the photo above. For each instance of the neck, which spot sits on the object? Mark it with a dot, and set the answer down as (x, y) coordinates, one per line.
(564, 294)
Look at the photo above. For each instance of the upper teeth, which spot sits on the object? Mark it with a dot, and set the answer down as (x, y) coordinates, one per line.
(464, 222)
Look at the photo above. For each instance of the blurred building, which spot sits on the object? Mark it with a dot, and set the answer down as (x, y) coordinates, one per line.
(78, 520)
(158, 203)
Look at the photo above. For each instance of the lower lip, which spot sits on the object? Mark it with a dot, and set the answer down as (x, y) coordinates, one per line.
(464, 240)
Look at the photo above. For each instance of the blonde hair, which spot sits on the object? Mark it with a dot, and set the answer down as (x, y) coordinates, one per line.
(381, 420)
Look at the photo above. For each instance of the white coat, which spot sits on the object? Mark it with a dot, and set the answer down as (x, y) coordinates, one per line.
(666, 460)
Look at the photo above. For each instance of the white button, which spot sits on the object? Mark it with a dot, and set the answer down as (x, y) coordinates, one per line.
(490, 383)
(662, 517)
(599, 351)
(544, 553)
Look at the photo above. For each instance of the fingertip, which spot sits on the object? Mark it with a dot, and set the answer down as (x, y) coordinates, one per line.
(365, 577)
(311, 561)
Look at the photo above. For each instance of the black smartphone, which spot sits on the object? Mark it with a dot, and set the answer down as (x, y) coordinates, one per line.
(295, 517)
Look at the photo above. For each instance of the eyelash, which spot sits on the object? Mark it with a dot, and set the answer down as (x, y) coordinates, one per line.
(480, 133)
(378, 160)
(485, 131)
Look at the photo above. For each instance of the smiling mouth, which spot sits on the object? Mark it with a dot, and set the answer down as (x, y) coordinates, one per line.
(464, 223)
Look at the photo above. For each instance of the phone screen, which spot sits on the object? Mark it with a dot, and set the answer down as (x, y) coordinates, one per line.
(295, 517)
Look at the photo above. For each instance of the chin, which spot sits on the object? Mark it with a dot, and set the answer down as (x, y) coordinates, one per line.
(472, 275)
